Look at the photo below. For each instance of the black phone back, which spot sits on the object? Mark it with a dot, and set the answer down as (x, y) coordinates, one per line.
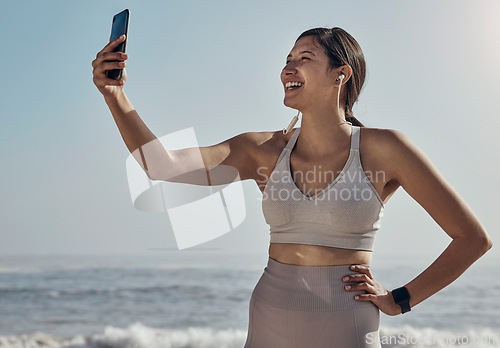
(119, 27)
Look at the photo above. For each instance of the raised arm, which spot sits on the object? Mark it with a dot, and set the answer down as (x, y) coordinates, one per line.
(223, 163)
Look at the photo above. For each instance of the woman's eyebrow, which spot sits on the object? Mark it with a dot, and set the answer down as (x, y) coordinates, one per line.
(301, 53)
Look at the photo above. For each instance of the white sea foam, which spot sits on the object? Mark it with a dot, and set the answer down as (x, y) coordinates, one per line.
(135, 336)
(141, 336)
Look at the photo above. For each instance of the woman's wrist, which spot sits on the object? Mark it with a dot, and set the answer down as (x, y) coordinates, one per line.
(402, 299)
(119, 104)
(115, 98)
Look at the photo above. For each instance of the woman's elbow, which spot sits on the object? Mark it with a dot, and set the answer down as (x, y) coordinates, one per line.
(479, 244)
(488, 243)
(484, 244)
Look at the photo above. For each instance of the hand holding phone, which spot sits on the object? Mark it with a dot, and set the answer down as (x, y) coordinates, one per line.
(109, 73)
(119, 28)
(107, 60)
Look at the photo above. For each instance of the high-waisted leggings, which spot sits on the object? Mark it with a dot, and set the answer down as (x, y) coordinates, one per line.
(295, 306)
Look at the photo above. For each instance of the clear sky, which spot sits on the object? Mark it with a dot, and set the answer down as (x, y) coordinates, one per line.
(214, 65)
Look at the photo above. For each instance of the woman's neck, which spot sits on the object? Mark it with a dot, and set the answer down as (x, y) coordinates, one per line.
(322, 133)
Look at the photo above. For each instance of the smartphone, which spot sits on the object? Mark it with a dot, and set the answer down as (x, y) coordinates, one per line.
(118, 28)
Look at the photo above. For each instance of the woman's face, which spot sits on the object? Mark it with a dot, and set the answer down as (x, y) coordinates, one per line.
(308, 64)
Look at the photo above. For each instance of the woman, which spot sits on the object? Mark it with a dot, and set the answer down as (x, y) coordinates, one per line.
(322, 229)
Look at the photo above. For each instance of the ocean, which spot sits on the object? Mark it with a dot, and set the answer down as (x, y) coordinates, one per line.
(200, 298)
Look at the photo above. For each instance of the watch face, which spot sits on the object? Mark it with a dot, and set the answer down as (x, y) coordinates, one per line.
(401, 295)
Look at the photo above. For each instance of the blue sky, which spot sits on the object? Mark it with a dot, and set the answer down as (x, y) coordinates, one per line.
(214, 66)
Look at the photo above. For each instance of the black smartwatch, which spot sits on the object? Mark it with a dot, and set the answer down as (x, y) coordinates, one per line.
(402, 298)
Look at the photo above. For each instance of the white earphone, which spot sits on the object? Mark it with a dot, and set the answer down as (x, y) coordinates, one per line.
(292, 123)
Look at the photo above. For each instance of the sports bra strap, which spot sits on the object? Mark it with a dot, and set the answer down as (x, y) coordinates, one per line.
(355, 138)
(292, 140)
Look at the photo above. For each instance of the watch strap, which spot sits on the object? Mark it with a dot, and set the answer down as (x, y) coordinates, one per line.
(402, 298)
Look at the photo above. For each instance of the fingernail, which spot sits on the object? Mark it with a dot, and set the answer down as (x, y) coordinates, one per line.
(356, 297)
(345, 278)
(353, 267)
(347, 287)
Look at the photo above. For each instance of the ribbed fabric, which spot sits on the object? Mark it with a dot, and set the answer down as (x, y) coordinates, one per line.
(346, 214)
(296, 306)
(307, 288)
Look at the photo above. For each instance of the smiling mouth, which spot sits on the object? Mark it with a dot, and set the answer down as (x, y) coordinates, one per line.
(289, 89)
(293, 85)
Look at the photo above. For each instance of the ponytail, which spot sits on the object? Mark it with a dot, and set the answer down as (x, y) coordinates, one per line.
(349, 116)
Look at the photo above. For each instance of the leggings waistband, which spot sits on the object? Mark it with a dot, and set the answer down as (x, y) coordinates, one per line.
(307, 288)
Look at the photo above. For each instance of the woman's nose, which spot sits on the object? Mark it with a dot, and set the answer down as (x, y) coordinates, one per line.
(290, 67)
(288, 70)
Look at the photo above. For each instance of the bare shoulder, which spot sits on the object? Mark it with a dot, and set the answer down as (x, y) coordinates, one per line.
(264, 138)
(267, 146)
(377, 146)
(381, 137)
(413, 170)
(387, 137)
(394, 149)
(408, 159)
(391, 160)
(267, 142)
(403, 162)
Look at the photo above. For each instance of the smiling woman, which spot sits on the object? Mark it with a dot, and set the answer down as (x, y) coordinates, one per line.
(308, 292)
(321, 39)
(317, 289)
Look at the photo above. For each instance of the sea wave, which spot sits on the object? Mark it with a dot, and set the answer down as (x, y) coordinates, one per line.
(138, 335)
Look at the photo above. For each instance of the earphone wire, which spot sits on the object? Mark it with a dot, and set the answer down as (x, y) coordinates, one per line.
(341, 78)
(292, 123)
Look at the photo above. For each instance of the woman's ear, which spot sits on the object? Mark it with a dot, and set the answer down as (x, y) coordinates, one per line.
(345, 70)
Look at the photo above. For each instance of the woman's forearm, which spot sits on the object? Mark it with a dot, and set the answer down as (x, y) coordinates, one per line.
(453, 261)
(140, 141)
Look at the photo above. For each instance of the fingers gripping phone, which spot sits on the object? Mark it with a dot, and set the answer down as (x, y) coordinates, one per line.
(119, 27)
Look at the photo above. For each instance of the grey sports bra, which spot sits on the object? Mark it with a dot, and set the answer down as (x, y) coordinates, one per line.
(346, 214)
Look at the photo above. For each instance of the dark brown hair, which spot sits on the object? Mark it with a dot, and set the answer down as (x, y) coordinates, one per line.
(342, 49)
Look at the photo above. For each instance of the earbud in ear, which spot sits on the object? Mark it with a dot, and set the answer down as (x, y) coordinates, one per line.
(341, 76)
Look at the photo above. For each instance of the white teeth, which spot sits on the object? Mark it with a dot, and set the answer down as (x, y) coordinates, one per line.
(293, 84)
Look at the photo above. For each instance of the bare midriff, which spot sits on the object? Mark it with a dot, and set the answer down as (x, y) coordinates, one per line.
(317, 255)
